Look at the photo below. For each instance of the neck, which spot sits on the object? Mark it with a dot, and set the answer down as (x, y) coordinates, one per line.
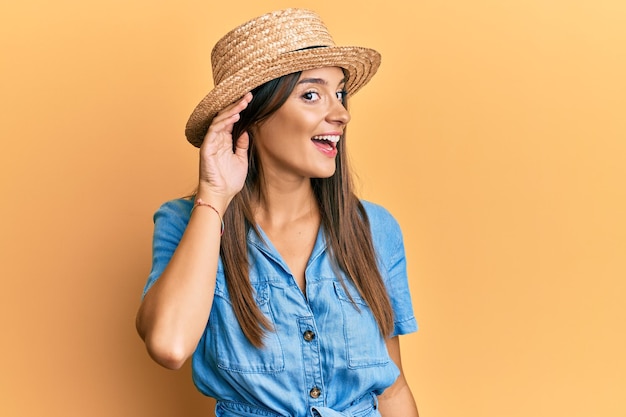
(280, 204)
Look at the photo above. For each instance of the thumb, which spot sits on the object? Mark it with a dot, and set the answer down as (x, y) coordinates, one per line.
(241, 146)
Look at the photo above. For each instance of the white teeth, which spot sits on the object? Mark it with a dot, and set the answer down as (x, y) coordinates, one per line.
(330, 138)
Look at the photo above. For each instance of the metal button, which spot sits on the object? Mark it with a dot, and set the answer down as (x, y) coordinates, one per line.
(315, 392)
(308, 335)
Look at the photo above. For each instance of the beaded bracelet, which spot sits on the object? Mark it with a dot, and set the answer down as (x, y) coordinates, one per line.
(199, 203)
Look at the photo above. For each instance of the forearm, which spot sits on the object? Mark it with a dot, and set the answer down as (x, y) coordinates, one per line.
(398, 401)
(175, 311)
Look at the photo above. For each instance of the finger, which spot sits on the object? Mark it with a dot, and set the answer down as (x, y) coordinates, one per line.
(241, 146)
(226, 118)
(234, 108)
(223, 124)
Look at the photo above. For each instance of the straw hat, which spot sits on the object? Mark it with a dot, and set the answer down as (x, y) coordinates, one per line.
(268, 47)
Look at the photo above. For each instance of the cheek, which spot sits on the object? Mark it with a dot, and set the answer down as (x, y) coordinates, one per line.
(286, 126)
(290, 131)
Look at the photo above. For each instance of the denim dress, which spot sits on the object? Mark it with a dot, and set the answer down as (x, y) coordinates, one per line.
(325, 357)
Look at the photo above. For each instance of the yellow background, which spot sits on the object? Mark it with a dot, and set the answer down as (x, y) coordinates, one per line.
(495, 131)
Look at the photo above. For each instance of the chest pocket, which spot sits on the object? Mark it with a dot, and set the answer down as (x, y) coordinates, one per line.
(230, 347)
(364, 343)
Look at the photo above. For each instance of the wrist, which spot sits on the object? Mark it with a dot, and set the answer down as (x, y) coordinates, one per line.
(218, 200)
(201, 203)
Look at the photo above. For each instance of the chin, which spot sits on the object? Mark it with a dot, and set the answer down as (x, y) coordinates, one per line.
(325, 174)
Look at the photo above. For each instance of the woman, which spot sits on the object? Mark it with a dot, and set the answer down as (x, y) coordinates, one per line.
(288, 292)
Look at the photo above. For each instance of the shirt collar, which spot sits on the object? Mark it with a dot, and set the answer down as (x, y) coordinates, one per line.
(263, 244)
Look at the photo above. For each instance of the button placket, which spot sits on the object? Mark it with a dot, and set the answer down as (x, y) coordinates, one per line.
(311, 355)
(315, 392)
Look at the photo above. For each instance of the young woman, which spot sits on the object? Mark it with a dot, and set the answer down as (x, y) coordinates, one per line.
(288, 291)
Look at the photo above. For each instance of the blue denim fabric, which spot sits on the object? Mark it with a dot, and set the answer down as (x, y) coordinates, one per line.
(347, 359)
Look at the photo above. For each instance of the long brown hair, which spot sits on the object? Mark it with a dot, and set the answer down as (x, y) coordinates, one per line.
(344, 221)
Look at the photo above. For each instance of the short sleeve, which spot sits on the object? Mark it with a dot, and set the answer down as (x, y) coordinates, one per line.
(389, 245)
(170, 222)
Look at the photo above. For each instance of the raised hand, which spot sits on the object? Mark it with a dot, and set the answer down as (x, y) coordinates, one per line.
(222, 171)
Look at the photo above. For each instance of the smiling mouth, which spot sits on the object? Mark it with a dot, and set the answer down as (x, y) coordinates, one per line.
(327, 141)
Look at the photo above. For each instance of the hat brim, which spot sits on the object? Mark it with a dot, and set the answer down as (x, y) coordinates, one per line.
(360, 63)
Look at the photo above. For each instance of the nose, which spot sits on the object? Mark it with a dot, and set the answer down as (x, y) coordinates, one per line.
(338, 114)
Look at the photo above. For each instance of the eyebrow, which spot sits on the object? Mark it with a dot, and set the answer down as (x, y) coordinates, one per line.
(320, 81)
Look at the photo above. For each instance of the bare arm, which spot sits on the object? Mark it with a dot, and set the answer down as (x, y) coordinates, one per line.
(174, 312)
(397, 400)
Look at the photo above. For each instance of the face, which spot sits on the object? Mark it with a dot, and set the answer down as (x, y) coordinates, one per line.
(300, 139)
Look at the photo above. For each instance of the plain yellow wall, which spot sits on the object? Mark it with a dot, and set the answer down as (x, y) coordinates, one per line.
(495, 131)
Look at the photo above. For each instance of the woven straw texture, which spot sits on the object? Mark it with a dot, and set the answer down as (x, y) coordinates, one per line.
(269, 47)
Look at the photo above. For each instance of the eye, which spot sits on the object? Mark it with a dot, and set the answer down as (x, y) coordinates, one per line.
(311, 96)
(342, 95)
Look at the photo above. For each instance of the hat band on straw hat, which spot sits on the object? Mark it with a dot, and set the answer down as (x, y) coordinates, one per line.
(269, 47)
